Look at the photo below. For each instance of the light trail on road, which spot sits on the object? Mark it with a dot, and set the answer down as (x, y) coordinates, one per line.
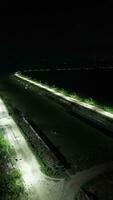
(39, 186)
(67, 98)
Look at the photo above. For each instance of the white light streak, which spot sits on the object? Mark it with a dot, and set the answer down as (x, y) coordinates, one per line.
(70, 99)
(39, 186)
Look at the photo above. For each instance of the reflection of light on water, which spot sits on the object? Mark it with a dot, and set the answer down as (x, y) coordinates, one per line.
(83, 104)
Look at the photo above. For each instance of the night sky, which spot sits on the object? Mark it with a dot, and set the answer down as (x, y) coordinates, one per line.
(31, 31)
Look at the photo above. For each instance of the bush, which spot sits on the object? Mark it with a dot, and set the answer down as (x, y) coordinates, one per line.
(11, 184)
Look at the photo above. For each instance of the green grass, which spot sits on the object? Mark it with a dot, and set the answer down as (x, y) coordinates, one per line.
(44, 168)
(108, 109)
(11, 184)
(87, 145)
(76, 96)
(90, 101)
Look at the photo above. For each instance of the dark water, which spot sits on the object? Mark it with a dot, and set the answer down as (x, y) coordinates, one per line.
(97, 84)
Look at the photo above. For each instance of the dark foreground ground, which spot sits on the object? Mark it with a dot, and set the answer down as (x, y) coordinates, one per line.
(81, 144)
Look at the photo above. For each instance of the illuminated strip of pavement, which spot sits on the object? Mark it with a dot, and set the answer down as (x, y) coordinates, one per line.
(39, 186)
(70, 99)
(17, 140)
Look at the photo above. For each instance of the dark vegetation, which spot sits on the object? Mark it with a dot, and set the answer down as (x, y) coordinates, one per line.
(11, 185)
(92, 149)
(50, 164)
(82, 160)
(87, 83)
(56, 152)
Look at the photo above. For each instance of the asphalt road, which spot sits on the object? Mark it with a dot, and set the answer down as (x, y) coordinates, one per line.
(78, 141)
(39, 186)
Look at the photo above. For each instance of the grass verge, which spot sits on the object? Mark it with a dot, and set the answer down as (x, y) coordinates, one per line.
(32, 143)
(74, 95)
(11, 183)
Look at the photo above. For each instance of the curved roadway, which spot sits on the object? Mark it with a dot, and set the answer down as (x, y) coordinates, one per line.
(39, 186)
(78, 141)
(82, 144)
